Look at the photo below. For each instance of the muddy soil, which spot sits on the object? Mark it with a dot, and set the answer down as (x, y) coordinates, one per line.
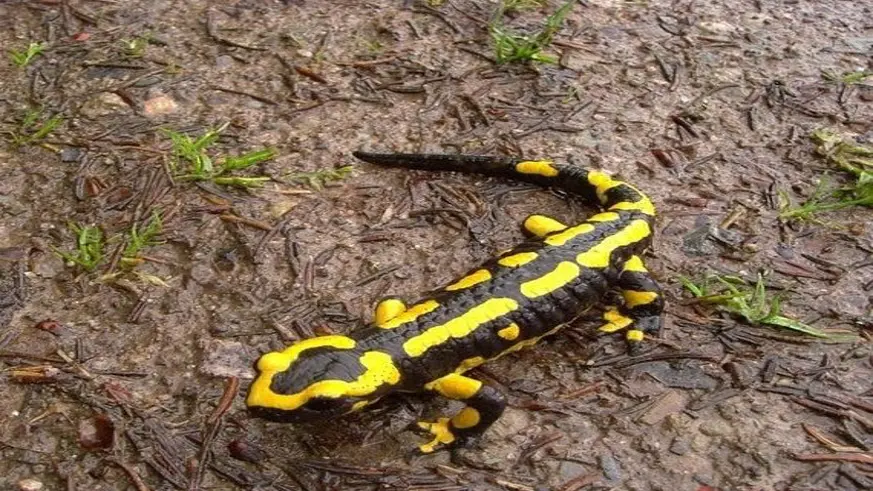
(707, 106)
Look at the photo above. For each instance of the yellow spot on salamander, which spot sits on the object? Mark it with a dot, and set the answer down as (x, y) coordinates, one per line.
(564, 273)
(516, 260)
(441, 432)
(410, 314)
(538, 167)
(633, 298)
(379, 370)
(635, 265)
(616, 321)
(389, 309)
(635, 335)
(562, 237)
(455, 386)
(527, 343)
(599, 255)
(471, 279)
(467, 418)
(460, 326)
(469, 364)
(509, 332)
(541, 225)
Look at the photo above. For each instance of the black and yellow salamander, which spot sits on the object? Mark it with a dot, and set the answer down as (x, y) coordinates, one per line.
(506, 304)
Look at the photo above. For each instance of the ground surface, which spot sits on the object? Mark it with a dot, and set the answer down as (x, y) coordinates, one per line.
(725, 92)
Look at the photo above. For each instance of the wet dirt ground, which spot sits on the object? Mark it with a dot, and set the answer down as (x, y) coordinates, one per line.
(707, 106)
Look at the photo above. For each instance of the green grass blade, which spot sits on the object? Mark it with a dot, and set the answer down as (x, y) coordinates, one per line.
(247, 160)
(781, 321)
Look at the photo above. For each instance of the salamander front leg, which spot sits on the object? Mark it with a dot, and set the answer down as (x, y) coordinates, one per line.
(643, 304)
(484, 405)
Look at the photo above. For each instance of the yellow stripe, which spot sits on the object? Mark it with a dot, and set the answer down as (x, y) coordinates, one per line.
(634, 264)
(517, 260)
(608, 216)
(380, 370)
(473, 278)
(538, 167)
(644, 205)
(460, 326)
(509, 332)
(564, 273)
(633, 298)
(599, 254)
(562, 237)
(602, 183)
(410, 314)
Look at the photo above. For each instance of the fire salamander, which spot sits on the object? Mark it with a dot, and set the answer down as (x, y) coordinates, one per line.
(507, 304)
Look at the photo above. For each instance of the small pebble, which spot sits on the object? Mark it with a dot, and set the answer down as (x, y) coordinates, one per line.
(29, 484)
(610, 467)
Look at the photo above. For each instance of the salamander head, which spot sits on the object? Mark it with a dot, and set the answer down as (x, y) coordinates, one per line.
(319, 378)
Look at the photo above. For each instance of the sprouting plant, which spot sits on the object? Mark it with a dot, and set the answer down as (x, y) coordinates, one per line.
(141, 237)
(34, 127)
(135, 48)
(190, 160)
(749, 302)
(89, 247)
(846, 155)
(847, 78)
(317, 179)
(513, 47)
(23, 58)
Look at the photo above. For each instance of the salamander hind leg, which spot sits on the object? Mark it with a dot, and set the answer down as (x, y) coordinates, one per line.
(485, 404)
(643, 303)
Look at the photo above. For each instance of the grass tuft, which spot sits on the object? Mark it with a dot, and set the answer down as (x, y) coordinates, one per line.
(511, 47)
(23, 58)
(847, 78)
(136, 47)
(141, 238)
(751, 303)
(34, 127)
(89, 247)
(847, 155)
(191, 161)
(317, 179)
